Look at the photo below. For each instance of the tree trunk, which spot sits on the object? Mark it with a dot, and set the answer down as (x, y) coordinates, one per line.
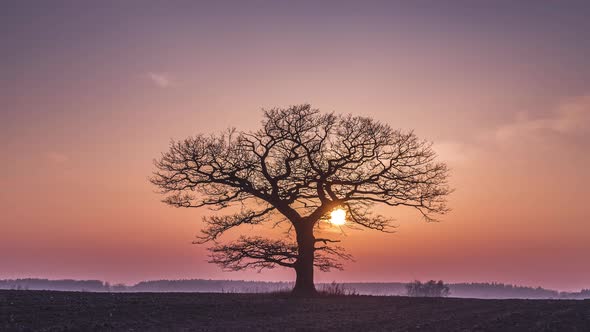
(304, 285)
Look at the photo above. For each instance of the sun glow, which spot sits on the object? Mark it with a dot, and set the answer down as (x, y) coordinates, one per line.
(338, 217)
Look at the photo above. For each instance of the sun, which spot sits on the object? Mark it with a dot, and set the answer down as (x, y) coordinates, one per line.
(338, 217)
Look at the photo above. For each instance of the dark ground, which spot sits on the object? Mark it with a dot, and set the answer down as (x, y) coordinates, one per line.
(73, 311)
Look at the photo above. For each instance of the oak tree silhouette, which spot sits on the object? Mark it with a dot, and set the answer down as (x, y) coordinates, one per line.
(300, 166)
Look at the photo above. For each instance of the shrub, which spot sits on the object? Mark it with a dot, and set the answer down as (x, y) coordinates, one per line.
(428, 289)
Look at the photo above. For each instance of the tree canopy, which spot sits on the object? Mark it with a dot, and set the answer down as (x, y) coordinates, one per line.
(297, 168)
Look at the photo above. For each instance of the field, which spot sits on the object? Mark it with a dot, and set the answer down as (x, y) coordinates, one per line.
(74, 311)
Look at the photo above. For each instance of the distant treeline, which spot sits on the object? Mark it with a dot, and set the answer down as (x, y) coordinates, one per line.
(471, 290)
(58, 285)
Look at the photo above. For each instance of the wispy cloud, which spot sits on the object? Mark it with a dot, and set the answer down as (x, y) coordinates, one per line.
(162, 80)
(453, 151)
(568, 122)
(56, 158)
(570, 118)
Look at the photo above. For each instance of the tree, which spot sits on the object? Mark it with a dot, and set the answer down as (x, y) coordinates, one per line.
(428, 289)
(300, 166)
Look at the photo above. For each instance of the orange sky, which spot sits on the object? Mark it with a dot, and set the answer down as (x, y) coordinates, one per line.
(89, 96)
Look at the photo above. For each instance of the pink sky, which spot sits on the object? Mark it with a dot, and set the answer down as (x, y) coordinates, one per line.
(90, 96)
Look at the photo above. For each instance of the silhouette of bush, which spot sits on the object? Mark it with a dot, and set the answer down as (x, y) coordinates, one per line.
(430, 288)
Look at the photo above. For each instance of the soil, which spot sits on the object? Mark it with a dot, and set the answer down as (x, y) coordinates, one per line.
(80, 311)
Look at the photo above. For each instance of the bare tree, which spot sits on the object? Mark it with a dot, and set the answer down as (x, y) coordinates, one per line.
(300, 166)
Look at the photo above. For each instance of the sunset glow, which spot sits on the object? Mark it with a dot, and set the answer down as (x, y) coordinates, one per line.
(92, 92)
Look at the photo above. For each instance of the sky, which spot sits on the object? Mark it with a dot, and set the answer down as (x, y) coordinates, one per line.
(91, 93)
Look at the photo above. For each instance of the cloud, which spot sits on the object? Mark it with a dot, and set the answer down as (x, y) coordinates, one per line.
(568, 123)
(56, 158)
(453, 151)
(571, 118)
(161, 80)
